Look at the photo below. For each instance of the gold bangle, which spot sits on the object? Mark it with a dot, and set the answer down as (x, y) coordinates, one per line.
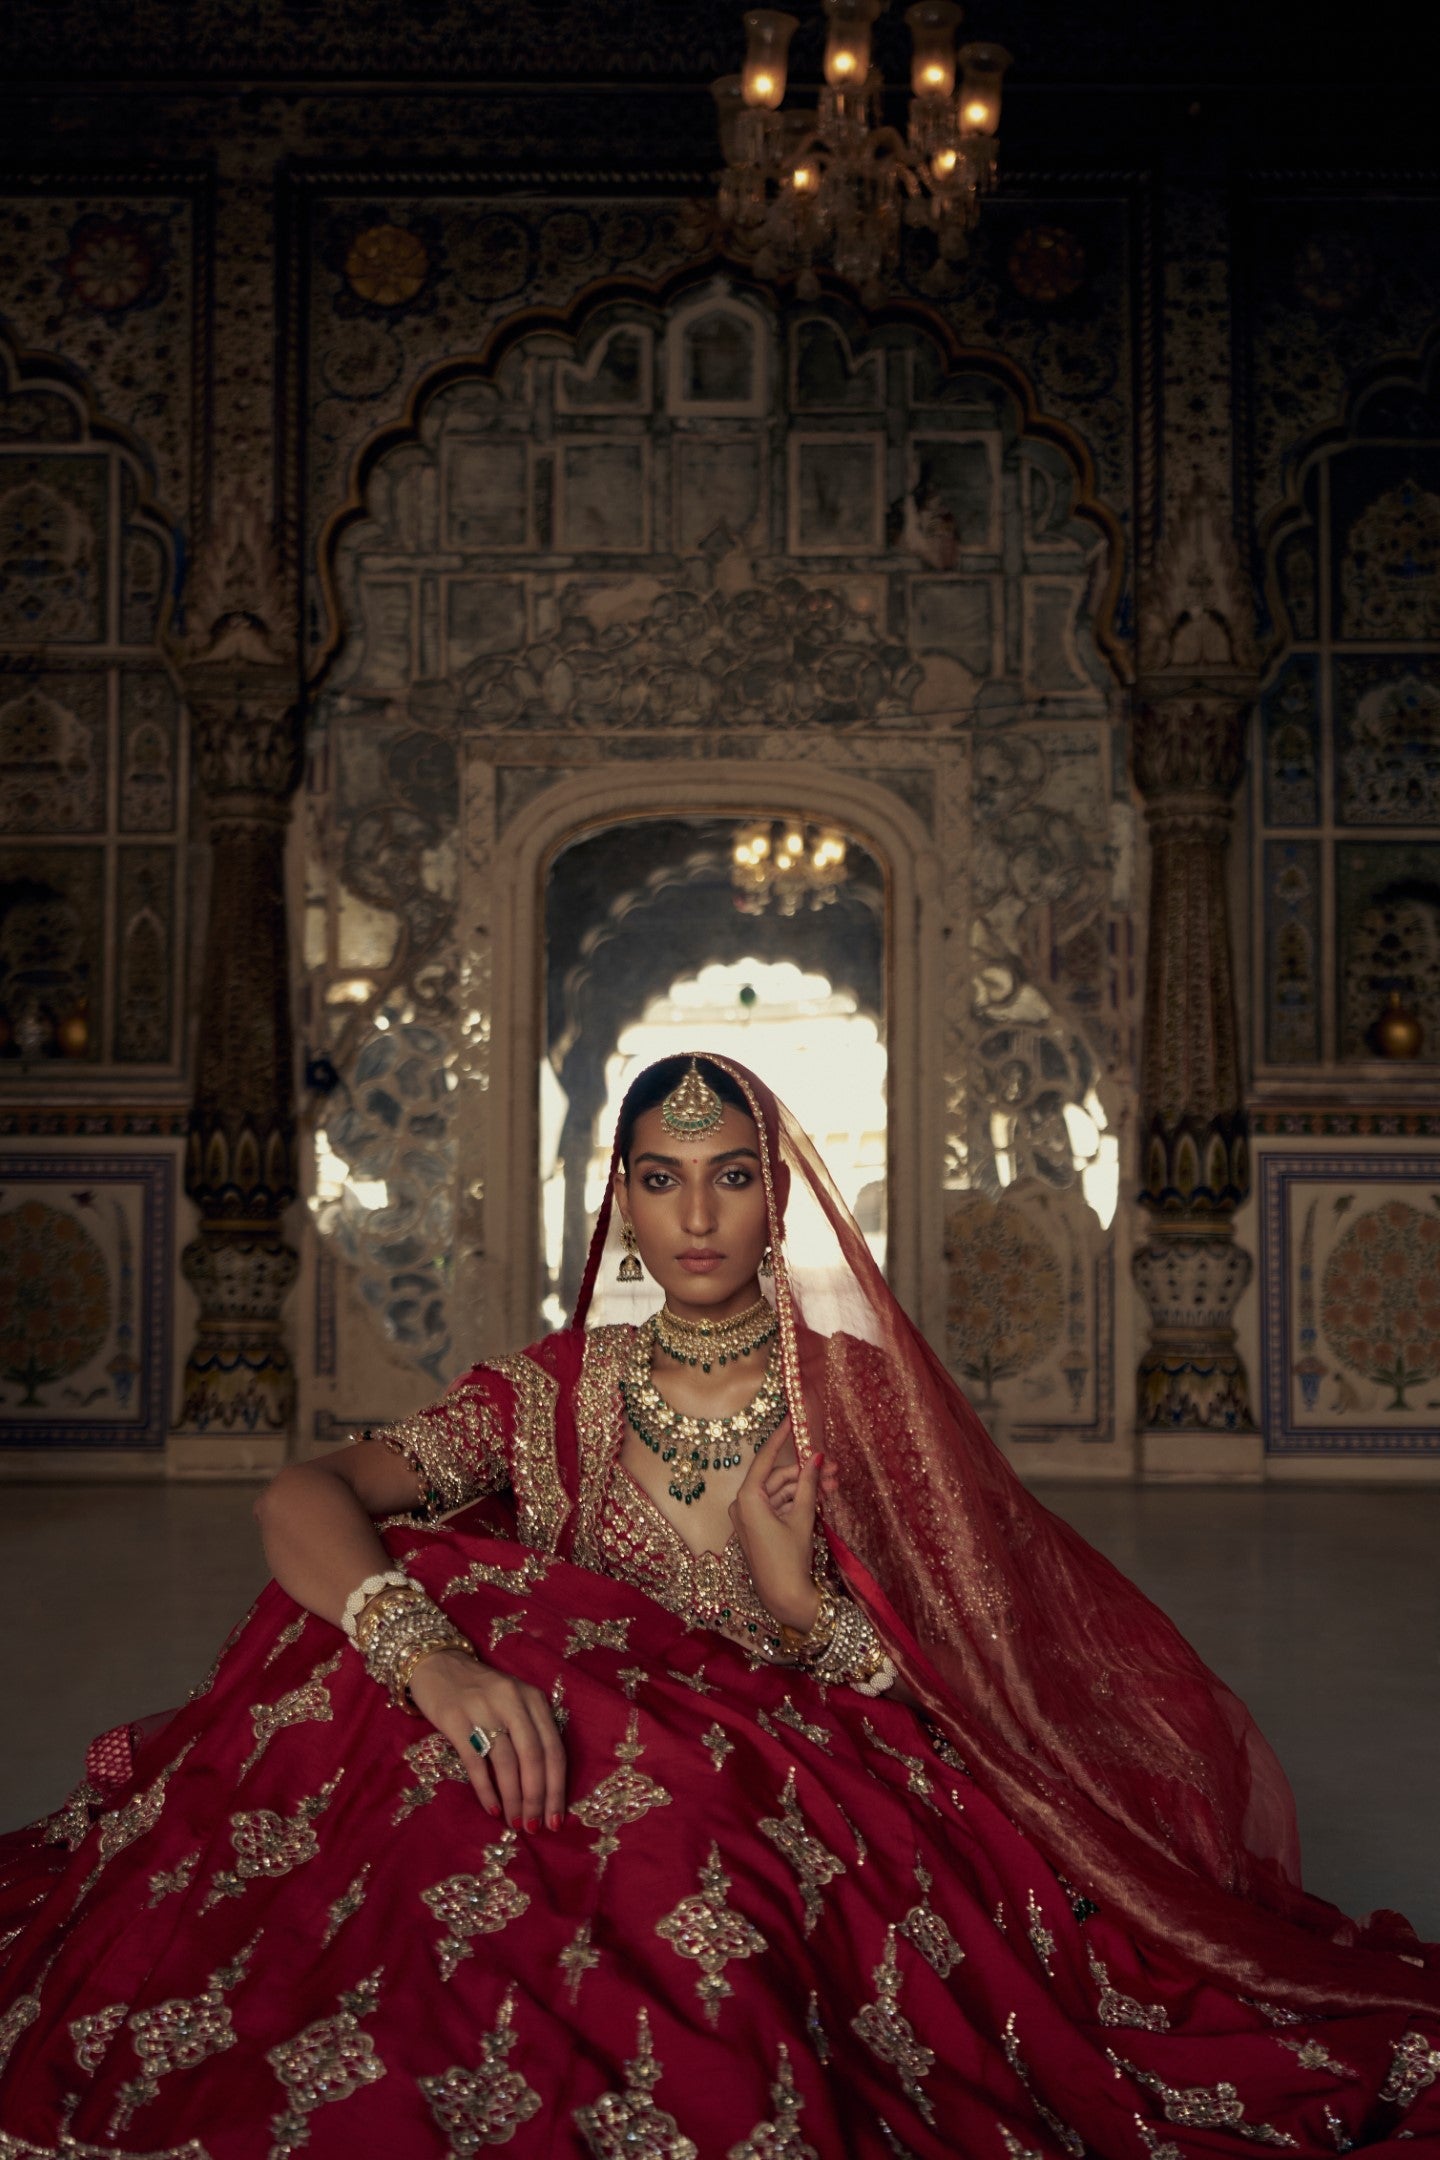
(400, 1679)
(380, 1607)
(808, 1644)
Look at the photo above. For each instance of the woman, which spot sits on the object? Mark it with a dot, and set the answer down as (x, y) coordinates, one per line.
(764, 1773)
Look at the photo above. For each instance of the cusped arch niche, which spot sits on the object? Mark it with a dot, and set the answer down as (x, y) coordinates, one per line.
(719, 532)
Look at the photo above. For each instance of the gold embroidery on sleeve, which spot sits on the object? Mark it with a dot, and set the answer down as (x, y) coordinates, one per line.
(629, 2121)
(482, 1904)
(814, 1865)
(891, 2036)
(540, 1499)
(485, 2106)
(456, 1448)
(781, 2138)
(703, 1927)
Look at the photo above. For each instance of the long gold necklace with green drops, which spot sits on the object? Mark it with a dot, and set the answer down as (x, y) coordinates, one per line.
(697, 1445)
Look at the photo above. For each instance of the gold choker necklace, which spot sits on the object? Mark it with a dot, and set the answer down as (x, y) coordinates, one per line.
(714, 1342)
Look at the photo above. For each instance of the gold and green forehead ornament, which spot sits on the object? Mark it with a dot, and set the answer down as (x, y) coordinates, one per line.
(693, 1107)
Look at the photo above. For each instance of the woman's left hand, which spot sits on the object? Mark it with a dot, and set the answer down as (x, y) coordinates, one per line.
(774, 1518)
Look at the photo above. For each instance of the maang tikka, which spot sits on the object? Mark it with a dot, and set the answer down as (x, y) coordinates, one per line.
(693, 1107)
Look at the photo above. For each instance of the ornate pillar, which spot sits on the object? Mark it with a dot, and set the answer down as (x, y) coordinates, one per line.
(1197, 681)
(240, 672)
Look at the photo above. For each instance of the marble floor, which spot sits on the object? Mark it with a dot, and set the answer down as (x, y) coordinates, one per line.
(1319, 1607)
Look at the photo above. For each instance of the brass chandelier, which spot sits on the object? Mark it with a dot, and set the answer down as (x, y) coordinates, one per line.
(787, 863)
(838, 182)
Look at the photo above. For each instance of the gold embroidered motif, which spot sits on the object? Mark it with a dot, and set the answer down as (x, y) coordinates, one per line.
(576, 1959)
(596, 1635)
(557, 1706)
(178, 2034)
(268, 1845)
(1042, 1942)
(21, 2014)
(540, 1499)
(787, 1714)
(1072, 2141)
(623, 1797)
(485, 2106)
(695, 1681)
(1157, 2147)
(69, 2148)
(70, 1825)
(862, 1850)
(919, 1778)
(284, 1639)
(530, 1568)
(1205, 2107)
(1414, 2068)
(888, 2034)
(1314, 2055)
(346, 1905)
(503, 1624)
(131, 1821)
(720, 1745)
(1335, 2125)
(703, 1927)
(627, 2125)
(780, 2139)
(1118, 2009)
(92, 2035)
(307, 1704)
(814, 1865)
(948, 1754)
(456, 1448)
(167, 1882)
(631, 1678)
(1273, 2011)
(818, 2037)
(480, 1904)
(328, 2060)
(1014, 2150)
(923, 1927)
(433, 1762)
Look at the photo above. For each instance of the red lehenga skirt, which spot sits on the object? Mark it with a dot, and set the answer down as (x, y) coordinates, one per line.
(776, 1923)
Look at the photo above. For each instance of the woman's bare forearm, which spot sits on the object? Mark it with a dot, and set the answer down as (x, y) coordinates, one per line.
(316, 1524)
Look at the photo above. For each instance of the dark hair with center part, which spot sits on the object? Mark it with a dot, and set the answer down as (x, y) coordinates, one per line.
(649, 1089)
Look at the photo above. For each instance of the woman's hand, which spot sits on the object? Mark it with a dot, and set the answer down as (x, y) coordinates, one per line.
(523, 1776)
(774, 1518)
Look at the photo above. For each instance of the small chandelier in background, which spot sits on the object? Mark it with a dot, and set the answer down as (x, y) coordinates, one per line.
(787, 865)
(837, 182)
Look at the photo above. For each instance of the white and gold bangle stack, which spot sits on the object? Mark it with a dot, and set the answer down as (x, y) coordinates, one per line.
(360, 1597)
(398, 1627)
(841, 1647)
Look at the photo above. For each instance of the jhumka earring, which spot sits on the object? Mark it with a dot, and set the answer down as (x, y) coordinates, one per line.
(767, 1262)
(630, 1269)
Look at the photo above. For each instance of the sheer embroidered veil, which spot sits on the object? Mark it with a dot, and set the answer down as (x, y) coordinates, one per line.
(1075, 1702)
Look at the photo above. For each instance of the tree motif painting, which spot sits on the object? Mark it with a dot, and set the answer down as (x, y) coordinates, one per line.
(1005, 1297)
(1380, 1298)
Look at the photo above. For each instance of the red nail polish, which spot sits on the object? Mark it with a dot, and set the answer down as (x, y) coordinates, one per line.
(554, 1822)
(532, 1823)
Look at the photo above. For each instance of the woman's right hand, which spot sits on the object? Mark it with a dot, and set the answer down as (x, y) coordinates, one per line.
(523, 1776)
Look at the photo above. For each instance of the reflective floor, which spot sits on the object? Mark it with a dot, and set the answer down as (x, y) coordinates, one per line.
(1319, 1607)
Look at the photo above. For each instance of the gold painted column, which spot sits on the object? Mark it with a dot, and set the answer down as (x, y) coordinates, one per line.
(1197, 682)
(240, 672)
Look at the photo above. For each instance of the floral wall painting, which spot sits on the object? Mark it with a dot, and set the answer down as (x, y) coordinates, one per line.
(1351, 1310)
(86, 1255)
(1029, 1308)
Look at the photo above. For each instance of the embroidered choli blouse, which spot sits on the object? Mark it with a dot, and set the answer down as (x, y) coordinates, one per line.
(496, 1430)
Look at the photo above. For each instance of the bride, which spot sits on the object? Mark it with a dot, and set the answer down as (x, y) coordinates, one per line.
(687, 1738)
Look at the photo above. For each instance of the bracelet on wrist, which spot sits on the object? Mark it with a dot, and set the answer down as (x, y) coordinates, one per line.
(364, 1593)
